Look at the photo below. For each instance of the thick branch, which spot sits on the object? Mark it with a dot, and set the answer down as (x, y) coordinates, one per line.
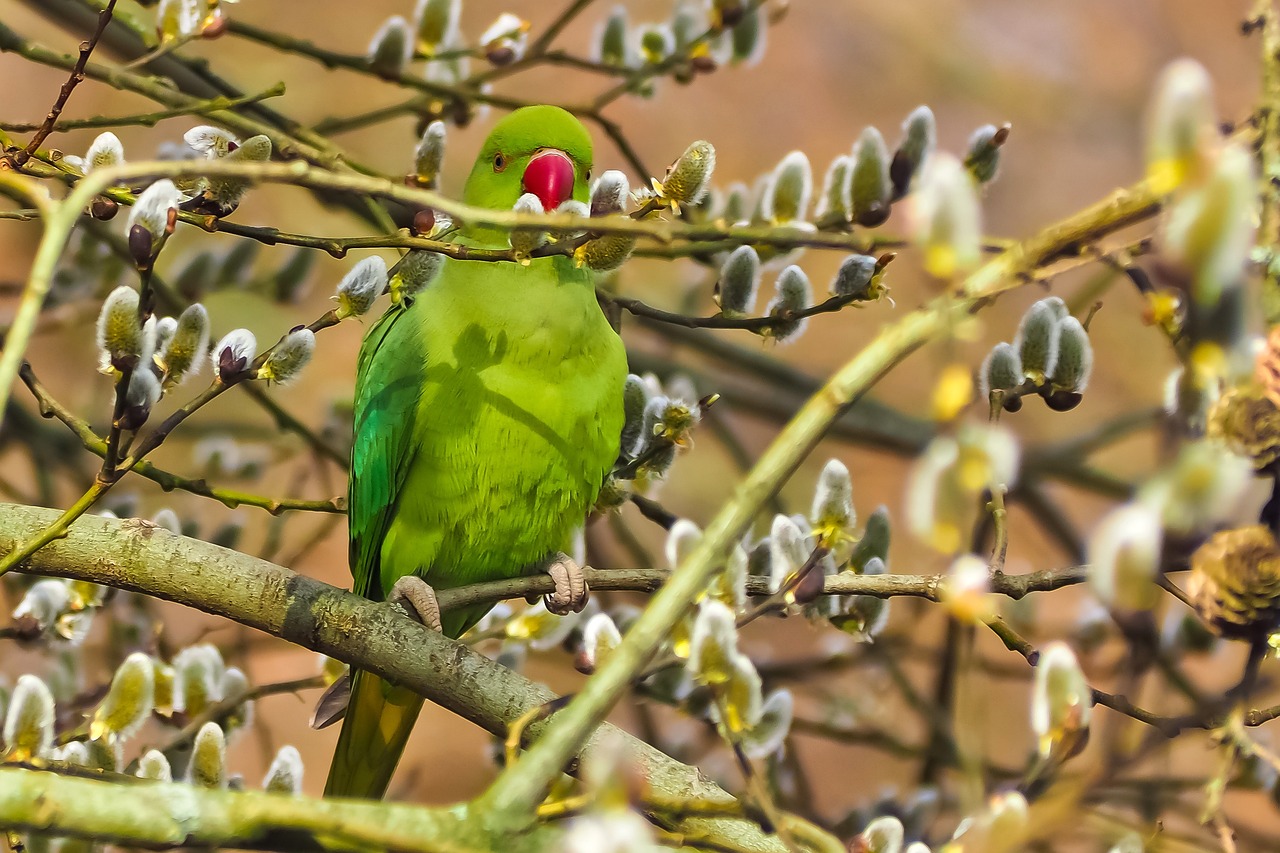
(137, 556)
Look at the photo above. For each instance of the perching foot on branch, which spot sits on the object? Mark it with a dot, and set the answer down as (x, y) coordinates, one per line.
(571, 585)
(416, 597)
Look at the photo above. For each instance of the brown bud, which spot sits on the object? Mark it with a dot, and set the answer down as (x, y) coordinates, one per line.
(1246, 419)
(423, 221)
(140, 246)
(1235, 582)
(104, 208)
(214, 28)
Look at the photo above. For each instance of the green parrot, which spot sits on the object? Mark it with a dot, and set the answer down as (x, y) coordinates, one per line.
(487, 416)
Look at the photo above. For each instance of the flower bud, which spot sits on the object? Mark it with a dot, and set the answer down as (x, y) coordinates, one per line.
(361, 286)
(855, 278)
(736, 203)
(1199, 489)
(730, 585)
(164, 329)
(1061, 703)
(1001, 371)
(234, 685)
(834, 203)
(143, 393)
(234, 353)
(770, 732)
(391, 48)
(178, 19)
(120, 335)
(919, 138)
(151, 213)
(687, 179)
(1248, 422)
(436, 23)
(208, 767)
(882, 835)
(606, 252)
(790, 189)
(539, 627)
(600, 636)
(788, 552)
(739, 280)
(609, 193)
(612, 41)
(221, 196)
(213, 142)
(874, 542)
(1124, 557)
(870, 191)
(948, 219)
(428, 157)
(505, 40)
(983, 156)
(414, 273)
(713, 644)
(864, 616)
(153, 765)
(1235, 582)
(793, 295)
(288, 357)
(832, 514)
(748, 36)
(525, 240)
(1181, 127)
(104, 151)
(28, 722)
(1209, 232)
(1037, 341)
(651, 431)
(284, 776)
(967, 589)
(1075, 357)
(949, 478)
(197, 679)
(128, 702)
(635, 398)
(656, 43)
(681, 540)
(75, 754)
(186, 348)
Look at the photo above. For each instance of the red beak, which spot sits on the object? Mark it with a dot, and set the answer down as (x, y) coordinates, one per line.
(550, 176)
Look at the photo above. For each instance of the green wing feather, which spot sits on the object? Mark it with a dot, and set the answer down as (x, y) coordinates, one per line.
(388, 387)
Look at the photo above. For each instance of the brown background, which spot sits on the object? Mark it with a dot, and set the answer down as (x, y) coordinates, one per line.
(1072, 76)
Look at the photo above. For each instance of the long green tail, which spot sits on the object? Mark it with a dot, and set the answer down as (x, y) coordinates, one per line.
(377, 726)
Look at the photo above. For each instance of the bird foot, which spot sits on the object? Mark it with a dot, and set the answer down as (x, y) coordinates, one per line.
(416, 597)
(571, 586)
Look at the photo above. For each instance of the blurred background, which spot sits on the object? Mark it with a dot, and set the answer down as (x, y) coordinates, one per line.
(1071, 76)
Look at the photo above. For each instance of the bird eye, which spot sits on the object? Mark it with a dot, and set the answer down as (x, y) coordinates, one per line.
(499, 162)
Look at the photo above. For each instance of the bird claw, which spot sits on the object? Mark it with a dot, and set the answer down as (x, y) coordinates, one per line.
(571, 586)
(416, 597)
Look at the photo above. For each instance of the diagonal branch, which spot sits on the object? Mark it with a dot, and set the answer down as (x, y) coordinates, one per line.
(143, 558)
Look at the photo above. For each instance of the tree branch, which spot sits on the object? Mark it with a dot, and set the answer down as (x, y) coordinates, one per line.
(372, 636)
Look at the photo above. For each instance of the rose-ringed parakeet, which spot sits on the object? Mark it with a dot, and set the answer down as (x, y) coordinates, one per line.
(487, 416)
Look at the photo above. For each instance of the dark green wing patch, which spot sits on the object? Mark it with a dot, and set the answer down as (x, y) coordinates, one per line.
(388, 388)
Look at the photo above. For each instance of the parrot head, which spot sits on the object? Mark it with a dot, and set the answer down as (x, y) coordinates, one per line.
(542, 150)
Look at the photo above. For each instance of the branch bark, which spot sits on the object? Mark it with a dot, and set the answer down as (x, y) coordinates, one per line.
(137, 556)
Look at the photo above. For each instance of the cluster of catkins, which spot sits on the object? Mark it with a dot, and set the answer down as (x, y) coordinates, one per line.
(699, 37)
(1050, 356)
(143, 688)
